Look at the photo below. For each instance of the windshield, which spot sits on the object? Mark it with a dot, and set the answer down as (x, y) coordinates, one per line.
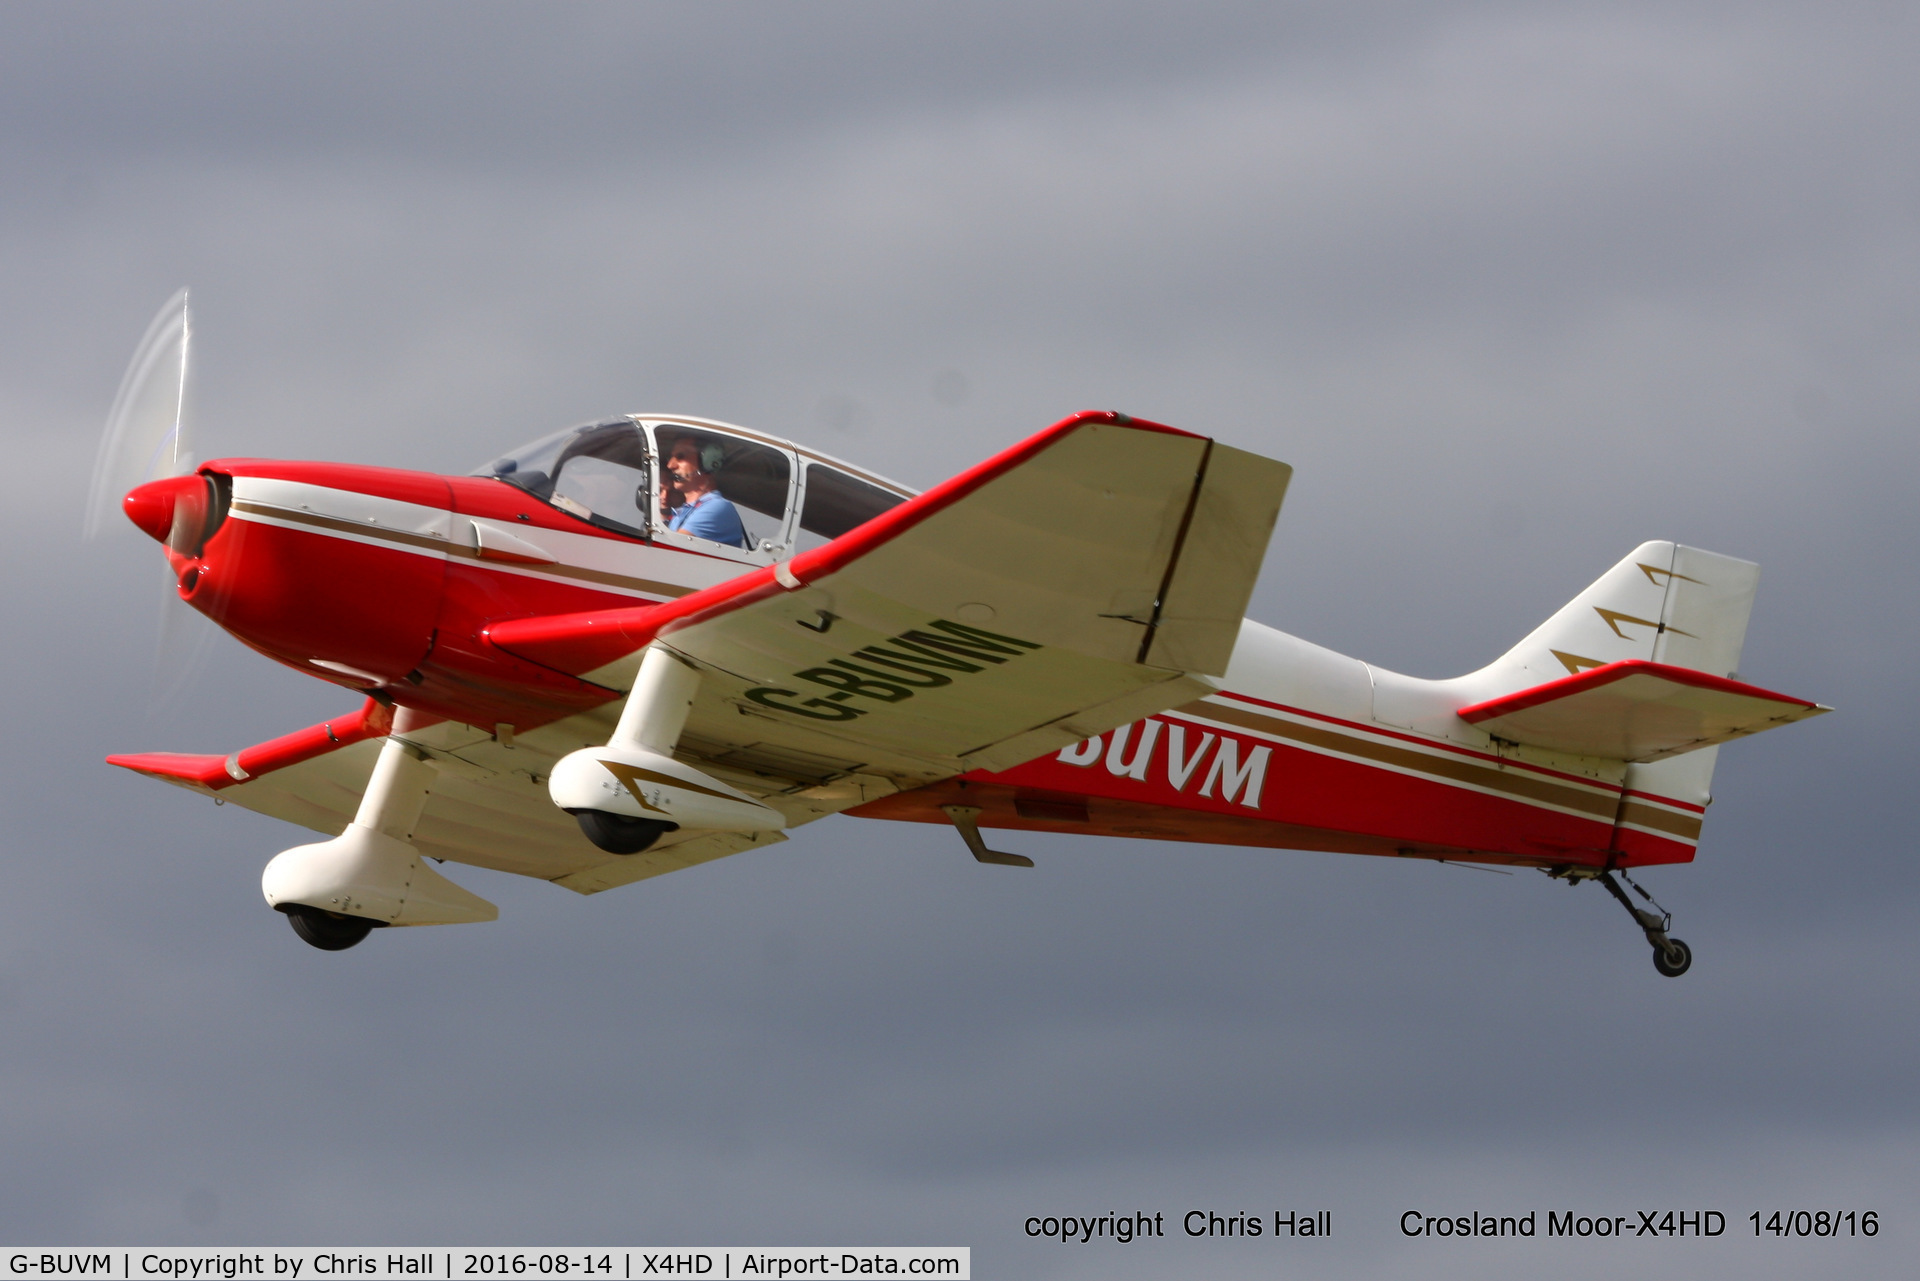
(597, 472)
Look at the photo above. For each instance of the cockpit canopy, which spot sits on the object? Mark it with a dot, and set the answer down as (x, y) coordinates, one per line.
(617, 474)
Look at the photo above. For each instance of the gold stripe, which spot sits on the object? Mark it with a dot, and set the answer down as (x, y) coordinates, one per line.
(447, 547)
(1650, 571)
(1574, 663)
(1685, 826)
(1613, 618)
(1453, 768)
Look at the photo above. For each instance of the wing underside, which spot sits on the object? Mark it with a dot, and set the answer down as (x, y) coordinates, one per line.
(489, 805)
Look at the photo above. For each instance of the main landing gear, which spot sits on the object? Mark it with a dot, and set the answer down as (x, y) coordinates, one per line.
(334, 893)
(1670, 956)
(631, 792)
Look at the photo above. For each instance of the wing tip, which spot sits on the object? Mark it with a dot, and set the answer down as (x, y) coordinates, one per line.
(201, 773)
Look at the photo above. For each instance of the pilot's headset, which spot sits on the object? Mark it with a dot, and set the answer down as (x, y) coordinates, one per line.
(713, 456)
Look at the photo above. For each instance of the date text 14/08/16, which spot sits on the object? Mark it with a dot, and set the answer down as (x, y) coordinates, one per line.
(1817, 1223)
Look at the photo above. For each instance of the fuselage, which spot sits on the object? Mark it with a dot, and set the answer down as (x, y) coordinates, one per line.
(1291, 753)
(389, 581)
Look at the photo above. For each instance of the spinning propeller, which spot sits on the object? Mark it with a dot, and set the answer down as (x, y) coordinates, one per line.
(145, 468)
(146, 435)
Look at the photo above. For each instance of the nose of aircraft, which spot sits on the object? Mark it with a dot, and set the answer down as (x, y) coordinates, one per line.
(151, 506)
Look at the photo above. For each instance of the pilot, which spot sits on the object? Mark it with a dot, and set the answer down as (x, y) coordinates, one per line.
(690, 500)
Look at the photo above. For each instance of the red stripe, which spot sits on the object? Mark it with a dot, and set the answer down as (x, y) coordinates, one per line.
(574, 643)
(1667, 800)
(371, 721)
(1639, 849)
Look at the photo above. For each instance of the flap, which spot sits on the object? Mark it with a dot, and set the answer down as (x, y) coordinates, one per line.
(1635, 710)
(1205, 599)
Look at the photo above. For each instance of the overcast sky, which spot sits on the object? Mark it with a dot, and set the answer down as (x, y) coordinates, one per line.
(1514, 287)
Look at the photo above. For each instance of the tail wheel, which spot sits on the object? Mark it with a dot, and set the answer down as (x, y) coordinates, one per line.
(328, 931)
(1674, 959)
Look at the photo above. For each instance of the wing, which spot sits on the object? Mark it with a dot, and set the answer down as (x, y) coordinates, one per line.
(489, 806)
(1092, 575)
(1635, 710)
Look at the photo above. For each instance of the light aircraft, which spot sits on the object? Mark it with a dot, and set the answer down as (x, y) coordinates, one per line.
(577, 664)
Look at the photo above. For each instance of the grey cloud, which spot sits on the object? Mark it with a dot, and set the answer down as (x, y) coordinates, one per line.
(1513, 287)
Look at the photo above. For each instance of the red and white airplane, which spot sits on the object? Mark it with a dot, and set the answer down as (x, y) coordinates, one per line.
(653, 641)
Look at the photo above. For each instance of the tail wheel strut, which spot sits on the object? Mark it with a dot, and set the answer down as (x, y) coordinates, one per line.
(1670, 956)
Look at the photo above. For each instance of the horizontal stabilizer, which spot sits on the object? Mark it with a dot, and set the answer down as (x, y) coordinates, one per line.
(1636, 710)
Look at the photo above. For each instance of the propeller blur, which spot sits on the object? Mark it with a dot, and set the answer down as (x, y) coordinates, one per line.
(145, 437)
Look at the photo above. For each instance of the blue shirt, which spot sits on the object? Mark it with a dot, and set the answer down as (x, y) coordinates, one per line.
(709, 516)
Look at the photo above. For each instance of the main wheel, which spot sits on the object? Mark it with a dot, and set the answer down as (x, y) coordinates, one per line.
(1673, 959)
(328, 931)
(618, 834)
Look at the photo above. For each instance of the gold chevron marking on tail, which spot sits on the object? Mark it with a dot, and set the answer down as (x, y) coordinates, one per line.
(632, 777)
(1650, 571)
(1574, 663)
(1613, 618)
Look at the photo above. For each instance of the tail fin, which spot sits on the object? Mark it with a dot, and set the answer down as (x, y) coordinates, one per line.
(1641, 668)
(1664, 603)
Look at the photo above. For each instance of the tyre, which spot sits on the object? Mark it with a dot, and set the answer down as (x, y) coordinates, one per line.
(328, 931)
(618, 834)
(1673, 959)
